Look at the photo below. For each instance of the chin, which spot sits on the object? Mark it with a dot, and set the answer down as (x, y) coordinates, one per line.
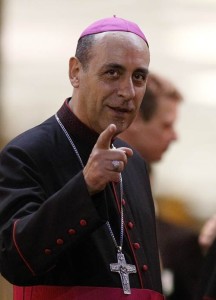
(159, 158)
(121, 127)
(155, 159)
(120, 130)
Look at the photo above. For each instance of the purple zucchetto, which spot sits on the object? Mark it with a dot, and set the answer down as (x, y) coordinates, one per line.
(113, 24)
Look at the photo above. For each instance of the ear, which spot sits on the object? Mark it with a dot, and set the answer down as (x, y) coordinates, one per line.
(74, 69)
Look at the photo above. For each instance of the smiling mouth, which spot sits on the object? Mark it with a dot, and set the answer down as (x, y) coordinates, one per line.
(120, 110)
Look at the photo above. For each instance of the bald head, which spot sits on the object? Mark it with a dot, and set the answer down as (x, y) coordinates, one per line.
(89, 35)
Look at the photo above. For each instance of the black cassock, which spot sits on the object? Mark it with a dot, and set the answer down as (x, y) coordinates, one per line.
(52, 232)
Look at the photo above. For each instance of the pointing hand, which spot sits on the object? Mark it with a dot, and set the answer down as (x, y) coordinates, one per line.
(105, 163)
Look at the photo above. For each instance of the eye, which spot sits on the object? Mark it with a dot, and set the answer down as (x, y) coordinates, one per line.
(140, 77)
(112, 73)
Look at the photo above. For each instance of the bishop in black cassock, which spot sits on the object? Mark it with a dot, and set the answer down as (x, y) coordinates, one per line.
(59, 232)
(66, 233)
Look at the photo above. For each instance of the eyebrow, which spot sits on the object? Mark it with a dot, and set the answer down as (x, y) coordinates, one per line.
(113, 66)
(145, 71)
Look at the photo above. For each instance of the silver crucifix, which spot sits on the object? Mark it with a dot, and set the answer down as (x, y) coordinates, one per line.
(124, 270)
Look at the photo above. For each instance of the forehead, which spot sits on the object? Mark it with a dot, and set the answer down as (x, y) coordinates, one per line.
(115, 47)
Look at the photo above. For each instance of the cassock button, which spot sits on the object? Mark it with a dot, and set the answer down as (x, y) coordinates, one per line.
(145, 268)
(123, 202)
(71, 231)
(59, 242)
(130, 225)
(47, 251)
(83, 222)
(136, 245)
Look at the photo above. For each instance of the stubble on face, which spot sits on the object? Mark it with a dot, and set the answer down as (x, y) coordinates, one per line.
(113, 85)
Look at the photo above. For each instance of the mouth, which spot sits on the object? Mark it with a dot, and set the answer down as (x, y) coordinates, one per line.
(120, 110)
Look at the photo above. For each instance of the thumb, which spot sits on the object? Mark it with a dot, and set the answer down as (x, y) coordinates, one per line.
(105, 138)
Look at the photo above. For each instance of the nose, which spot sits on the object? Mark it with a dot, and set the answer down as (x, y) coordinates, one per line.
(174, 135)
(126, 88)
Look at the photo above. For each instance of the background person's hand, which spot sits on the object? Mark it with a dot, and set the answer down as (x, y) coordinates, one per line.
(208, 233)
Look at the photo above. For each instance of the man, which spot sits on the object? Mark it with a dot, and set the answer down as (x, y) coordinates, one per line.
(153, 130)
(76, 220)
(151, 133)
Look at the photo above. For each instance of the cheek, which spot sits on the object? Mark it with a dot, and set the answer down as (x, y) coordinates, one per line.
(164, 139)
(139, 102)
(159, 138)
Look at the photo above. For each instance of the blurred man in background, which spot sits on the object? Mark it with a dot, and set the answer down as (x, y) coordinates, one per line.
(151, 133)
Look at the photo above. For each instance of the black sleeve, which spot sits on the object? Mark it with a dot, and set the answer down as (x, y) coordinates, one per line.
(35, 228)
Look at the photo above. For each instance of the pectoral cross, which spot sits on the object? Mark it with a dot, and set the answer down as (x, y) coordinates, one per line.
(124, 270)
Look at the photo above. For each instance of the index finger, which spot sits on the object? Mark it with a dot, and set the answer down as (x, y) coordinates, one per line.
(105, 139)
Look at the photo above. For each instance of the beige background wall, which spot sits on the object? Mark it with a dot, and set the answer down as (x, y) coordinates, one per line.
(39, 37)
